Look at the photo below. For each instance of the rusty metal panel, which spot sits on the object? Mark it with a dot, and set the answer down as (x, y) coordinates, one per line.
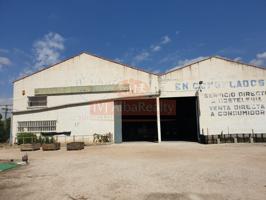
(81, 89)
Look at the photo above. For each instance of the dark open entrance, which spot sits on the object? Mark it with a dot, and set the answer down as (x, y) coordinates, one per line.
(183, 124)
(139, 121)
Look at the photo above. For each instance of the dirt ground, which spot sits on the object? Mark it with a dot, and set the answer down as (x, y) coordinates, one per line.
(174, 170)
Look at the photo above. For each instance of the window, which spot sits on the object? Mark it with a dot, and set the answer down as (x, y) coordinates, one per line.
(36, 126)
(37, 101)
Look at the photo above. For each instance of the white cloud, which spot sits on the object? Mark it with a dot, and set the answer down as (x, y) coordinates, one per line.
(141, 56)
(146, 53)
(185, 62)
(155, 48)
(118, 60)
(262, 55)
(165, 39)
(47, 51)
(260, 59)
(26, 71)
(4, 62)
(189, 61)
(237, 59)
(136, 56)
(156, 71)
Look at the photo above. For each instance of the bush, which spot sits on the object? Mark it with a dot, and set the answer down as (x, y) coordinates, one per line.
(4, 130)
(29, 138)
(52, 140)
(48, 140)
(40, 139)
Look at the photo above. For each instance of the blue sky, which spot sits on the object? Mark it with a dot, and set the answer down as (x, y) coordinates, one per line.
(154, 35)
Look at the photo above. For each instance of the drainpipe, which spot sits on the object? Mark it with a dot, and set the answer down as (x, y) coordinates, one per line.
(11, 137)
(199, 90)
(158, 119)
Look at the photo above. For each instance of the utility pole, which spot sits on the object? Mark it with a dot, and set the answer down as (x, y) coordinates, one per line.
(6, 110)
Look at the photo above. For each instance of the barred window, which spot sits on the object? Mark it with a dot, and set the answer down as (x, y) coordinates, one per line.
(37, 101)
(36, 126)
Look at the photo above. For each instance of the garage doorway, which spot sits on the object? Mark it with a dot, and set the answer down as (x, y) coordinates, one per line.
(183, 124)
(139, 120)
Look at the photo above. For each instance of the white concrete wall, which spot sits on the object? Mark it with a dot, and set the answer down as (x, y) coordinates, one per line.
(81, 70)
(221, 77)
(81, 120)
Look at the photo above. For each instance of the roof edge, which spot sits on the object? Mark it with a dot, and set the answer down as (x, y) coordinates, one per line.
(184, 66)
(127, 65)
(90, 54)
(137, 68)
(210, 57)
(239, 62)
(45, 68)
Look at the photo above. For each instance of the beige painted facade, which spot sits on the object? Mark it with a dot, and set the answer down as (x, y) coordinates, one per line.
(83, 70)
(232, 97)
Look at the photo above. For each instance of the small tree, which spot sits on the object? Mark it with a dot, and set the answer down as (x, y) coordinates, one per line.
(4, 130)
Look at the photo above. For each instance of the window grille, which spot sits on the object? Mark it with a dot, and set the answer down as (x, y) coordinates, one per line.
(37, 101)
(36, 126)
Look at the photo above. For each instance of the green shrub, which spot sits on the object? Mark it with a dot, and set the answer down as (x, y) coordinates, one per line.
(23, 138)
(48, 140)
(52, 140)
(4, 130)
(40, 139)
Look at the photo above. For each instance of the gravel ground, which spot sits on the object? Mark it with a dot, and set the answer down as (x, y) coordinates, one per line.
(174, 170)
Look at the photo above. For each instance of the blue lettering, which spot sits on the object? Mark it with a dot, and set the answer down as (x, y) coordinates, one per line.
(178, 86)
(253, 83)
(261, 83)
(239, 84)
(232, 85)
(185, 86)
(245, 83)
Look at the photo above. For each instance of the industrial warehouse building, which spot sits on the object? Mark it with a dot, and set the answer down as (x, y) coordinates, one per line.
(87, 94)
